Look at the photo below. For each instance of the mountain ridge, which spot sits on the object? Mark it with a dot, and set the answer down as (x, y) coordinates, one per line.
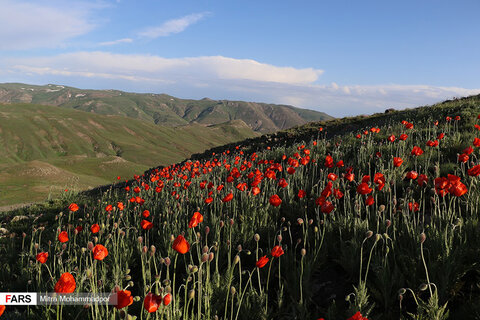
(162, 108)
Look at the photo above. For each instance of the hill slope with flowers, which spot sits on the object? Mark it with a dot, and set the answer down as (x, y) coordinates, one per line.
(360, 218)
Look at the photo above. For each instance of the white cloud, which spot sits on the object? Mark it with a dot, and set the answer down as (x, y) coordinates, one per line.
(173, 26)
(26, 25)
(192, 70)
(220, 77)
(114, 42)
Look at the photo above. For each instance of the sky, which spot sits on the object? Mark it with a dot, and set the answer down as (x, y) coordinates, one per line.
(340, 57)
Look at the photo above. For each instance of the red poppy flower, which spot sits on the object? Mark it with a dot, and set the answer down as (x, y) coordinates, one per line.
(290, 170)
(42, 257)
(370, 200)
(412, 175)
(357, 316)
(73, 207)
(167, 299)
(282, 183)
(337, 193)
(228, 197)
(2, 309)
(262, 262)
(124, 298)
(403, 137)
(209, 200)
(463, 158)
(63, 236)
(95, 228)
(397, 162)
(349, 176)
(363, 188)
(441, 136)
(422, 180)
(146, 225)
(457, 118)
(332, 176)
(66, 283)
(255, 190)
(441, 184)
(457, 188)
(152, 302)
(327, 207)
(476, 142)
(366, 179)
(474, 171)
(146, 213)
(391, 138)
(136, 190)
(301, 193)
(448, 118)
(358, 136)
(99, 252)
(329, 162)
(181, 245)
(416, 151)
(195, 220)
(468, 150)
(109, 208)
(275, 200)
(339, 164)
(413, 206)
(277, 251)
(432, 144)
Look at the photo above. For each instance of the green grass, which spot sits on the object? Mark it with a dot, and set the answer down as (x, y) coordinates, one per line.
(90, 149)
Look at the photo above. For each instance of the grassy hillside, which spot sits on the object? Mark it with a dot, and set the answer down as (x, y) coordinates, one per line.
(47, 149)
(161, 108)
(369, 218)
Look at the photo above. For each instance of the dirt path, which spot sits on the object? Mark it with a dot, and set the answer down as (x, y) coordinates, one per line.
(15, 206)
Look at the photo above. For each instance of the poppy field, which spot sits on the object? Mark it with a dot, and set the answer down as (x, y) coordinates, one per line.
(369, 218)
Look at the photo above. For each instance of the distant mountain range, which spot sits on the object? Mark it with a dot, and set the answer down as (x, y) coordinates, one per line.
(161, 108)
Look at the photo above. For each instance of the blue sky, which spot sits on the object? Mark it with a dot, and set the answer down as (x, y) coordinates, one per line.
(341, 57)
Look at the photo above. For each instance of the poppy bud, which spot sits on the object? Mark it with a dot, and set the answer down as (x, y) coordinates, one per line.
(207, 230)
(191, 294)
(381, 208)
(211, 256)
(222, 223)
(315, 229)
(128, 277)
(130, 283)
(233, 291)
(279, 238)
(90, 245)
(256, 237)
(423, 237)
(310, 222)
(423, 287)
(36, 246)
(236, 259)
(300, 221)
(152, 249)
(378, 237)
(388, 223)
(167, 261)
(303, 252)
(402, 291)
(204, 257)
(369, 234)
(239, 248)
(144, 249)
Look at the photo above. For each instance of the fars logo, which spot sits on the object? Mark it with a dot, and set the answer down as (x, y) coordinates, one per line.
(18, 298)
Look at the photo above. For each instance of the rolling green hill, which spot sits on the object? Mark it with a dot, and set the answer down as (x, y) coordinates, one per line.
(161, 108)
(45, 149)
